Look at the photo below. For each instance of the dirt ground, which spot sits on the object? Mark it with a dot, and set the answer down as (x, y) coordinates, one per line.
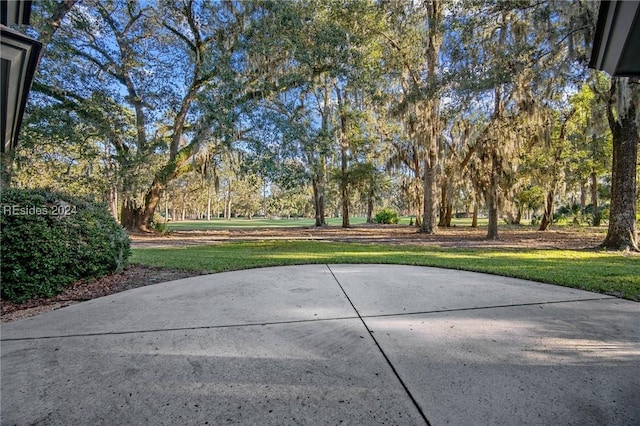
(138, 276)
(512, 237)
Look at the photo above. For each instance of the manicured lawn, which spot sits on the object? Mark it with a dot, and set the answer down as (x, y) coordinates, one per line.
(598, 271)
(235, 223)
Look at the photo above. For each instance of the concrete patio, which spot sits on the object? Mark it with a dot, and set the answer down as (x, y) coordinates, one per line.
(328, 345)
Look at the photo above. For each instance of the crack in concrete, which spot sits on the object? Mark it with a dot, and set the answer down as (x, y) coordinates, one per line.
(384, 355)
(301, 321)
(265, 323)
(161, 330)
(480, 308)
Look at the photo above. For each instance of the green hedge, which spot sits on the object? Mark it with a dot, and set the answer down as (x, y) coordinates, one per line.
(50, 240)
(386, 216)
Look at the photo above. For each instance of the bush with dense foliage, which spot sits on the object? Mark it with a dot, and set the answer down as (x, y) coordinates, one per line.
(159, 224)
(576, 215)
(50, 240)
(386, 216)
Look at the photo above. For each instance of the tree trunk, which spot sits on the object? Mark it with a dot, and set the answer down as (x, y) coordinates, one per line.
(518, 218)
(547, 217)
(176, 167)
(597, 217)
(442, 221)
(227, 203)
(429, 225)
(318, 202)
(448, 215)
(492, 198)
(474, 220)
(492, 231)
(432, 113)
(151, 200)
(583, 194)
(622, 233)
(344, 181)
(344, 186)
(113, 201)
(370, 207)
(264, 198)
(130, 215)
(419, 203)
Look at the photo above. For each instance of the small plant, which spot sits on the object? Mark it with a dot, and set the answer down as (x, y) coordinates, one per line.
(596, 219)
(159, 224)
(386, 216)
(571, 213)
(535, 220)
(50, 240)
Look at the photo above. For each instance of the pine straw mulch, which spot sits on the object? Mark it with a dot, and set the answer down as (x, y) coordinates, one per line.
(132, 277)
(136, 276)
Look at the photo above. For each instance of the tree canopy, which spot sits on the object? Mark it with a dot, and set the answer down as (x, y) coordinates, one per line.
(319, 108)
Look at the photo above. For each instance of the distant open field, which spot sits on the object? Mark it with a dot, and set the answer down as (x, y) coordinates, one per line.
(203, 225)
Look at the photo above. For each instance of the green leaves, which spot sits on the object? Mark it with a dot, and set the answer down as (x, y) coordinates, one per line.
(50, 240)
(132, 95)
(386, 216)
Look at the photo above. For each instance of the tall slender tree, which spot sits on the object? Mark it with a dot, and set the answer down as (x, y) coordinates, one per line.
(414, 38)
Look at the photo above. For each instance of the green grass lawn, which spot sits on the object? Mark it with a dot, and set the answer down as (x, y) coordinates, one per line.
(236, 223)
(598, 271)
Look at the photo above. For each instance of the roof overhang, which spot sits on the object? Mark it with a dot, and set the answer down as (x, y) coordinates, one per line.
(14, 12)
(18, 66)
(616, 46)
(19, 59)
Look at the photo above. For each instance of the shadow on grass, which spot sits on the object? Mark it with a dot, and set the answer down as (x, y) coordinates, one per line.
(598, 271)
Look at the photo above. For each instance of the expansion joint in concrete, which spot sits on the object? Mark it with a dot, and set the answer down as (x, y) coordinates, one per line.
(375, 341)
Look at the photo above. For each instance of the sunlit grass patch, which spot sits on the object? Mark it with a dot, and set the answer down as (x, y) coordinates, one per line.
(598, 271)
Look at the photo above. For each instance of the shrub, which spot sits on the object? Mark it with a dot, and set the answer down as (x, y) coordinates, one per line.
(50, 240)
(386, 216)
(535, 219)
(589, 216)
(569, 213)
(159, 224)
